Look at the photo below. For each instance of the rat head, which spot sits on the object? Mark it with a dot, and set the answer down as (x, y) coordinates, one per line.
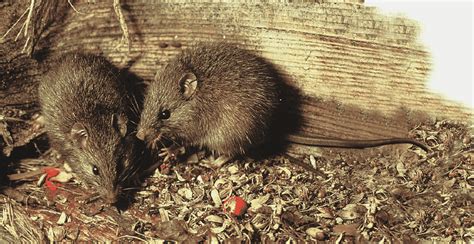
(101, 155)
(170, 104)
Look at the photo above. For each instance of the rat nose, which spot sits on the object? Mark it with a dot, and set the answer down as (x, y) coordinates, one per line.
(141, 134)
(111, 194)
(111, 197)
(145, 135)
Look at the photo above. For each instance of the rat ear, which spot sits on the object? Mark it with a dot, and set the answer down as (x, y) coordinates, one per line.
(120, 122)
(188, 85)
(79, 135)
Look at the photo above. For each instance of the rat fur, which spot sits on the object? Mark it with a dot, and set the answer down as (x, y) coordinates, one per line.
(86, 109)
(218, 96)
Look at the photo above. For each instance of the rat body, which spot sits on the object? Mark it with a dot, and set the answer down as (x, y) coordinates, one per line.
(223, 98)
(202, 99)
(86, 110)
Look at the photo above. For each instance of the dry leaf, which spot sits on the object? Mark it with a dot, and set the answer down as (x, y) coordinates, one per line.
(217, 230)
(214, 218)
(216, 198)
(257, 203)
(316, 233)
(325, 213)
(347, 229)
(186, 193)
(234, 169)
(62, 219)
(62, 177)
(349, 212)
(164, 215)
(401, 169)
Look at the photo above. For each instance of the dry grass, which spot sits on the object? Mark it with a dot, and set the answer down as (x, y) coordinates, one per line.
(39, 10)
(16, 224)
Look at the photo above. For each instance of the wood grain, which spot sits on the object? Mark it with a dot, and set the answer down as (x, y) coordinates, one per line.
(362, 73)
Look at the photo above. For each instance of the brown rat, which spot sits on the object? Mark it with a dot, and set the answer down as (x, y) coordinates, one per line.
(223, 98)
(86, 109)
(220, 107)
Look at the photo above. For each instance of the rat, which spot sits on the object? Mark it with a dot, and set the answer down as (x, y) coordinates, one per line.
(223, 98)
(87, 114)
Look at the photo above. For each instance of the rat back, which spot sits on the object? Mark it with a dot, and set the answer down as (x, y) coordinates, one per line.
(81, 87)
(239, 91)
(235, 97)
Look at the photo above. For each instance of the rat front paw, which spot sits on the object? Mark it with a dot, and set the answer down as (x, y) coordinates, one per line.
(37, 122)
(171, 153)
(217, 163)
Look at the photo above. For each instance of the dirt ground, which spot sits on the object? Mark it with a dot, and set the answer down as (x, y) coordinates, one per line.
(391, 193)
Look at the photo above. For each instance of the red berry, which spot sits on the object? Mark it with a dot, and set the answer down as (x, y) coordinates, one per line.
(235, 205)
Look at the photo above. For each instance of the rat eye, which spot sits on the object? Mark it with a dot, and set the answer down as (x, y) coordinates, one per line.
(165, 114)
(95, 170)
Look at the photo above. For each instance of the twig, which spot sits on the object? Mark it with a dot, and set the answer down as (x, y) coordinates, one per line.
(26, 44)
(308, 167)
(22, 198)
(132, 237)
(123, 24)
(21, 30)
(13, 26)
(29, 174)
(73, 8)
(5, 118)
(30, 14)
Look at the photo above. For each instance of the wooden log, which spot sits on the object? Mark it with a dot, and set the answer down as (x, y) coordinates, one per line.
(363, 73)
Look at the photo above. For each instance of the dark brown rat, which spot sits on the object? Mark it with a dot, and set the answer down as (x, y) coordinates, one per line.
(86, 110)
(220, 97)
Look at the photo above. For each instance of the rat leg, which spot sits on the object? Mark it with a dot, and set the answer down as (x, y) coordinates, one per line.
(171, 152)
(216, 163)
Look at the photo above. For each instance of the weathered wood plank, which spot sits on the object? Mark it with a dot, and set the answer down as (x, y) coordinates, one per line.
(371, 64)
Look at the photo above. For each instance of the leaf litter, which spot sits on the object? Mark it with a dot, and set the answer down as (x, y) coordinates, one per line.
(377, 195)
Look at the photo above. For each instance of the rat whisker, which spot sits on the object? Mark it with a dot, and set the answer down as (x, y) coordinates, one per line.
(162, 144)
(171, 140)
(135, 106)
(152, 144)
(154, 141)
(131, 188)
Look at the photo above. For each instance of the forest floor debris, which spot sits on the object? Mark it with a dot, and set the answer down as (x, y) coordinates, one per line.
(386, 193)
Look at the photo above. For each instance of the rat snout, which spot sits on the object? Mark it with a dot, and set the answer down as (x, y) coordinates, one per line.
(141, 134)
(111, 197)
(146, 135)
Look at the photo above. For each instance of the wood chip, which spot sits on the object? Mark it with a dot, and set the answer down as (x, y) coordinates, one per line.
(62, 219)
(347, 229)
(216, 198)
(214, 218)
